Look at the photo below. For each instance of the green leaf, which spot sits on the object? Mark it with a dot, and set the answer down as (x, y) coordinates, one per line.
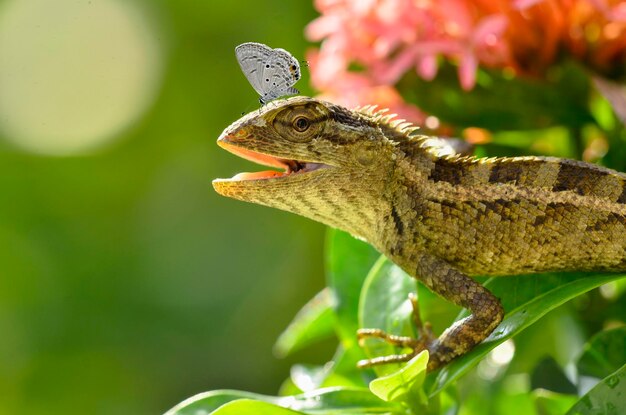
(606, 398)
(348, 262)
(308, 377)
(553, 141)
(314, 322)
(385, 305)
(207, 402)
(528, 298)
(552, 403)
(344, 370)
(251, 407)
(548, 375)
(341, 401)
(435, 309)
(617, 288)
(322, 401)
(505, 403)
(404, 384)
(288, 387)
(498, 103)
(603, 354)
(602, 111)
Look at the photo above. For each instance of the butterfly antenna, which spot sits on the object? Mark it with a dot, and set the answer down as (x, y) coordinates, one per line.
(247, 110)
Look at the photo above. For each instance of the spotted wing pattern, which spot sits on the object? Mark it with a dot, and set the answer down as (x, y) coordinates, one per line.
(271, 72)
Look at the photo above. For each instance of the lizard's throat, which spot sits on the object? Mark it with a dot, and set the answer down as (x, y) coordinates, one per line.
(317, 191)
(322, 195)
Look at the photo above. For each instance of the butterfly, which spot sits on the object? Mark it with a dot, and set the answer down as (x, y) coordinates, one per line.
(271, 72)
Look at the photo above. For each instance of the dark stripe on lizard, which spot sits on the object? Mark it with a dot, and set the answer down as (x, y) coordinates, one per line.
(345, 117)
(622, 197)
(397, 220)
(580, 180)
(506, 172)
(446, 170)
(606, 224)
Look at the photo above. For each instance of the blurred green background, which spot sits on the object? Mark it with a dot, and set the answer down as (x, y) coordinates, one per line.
(126, 283)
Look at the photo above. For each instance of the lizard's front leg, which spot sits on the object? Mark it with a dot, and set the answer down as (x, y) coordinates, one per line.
(462, 336)
(453, 285)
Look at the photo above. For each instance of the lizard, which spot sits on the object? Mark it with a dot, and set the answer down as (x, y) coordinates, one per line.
(442, 219)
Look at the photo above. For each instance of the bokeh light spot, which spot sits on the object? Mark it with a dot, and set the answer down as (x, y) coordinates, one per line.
(496, 361)
(73, 74)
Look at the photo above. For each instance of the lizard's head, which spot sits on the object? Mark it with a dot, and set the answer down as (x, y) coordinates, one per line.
(326, 154)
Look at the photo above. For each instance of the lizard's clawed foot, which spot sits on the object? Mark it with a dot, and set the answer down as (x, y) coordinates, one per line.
(424, 339)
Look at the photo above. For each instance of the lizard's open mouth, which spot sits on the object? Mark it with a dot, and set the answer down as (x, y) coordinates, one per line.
(289, 167)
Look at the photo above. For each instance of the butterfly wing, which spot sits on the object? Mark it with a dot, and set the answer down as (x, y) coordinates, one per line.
(280, 74)
(277, 93)
(285, 64)
(253, 59)
(271, 72)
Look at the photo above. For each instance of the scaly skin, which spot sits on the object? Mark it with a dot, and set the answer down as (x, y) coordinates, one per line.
(442, 219)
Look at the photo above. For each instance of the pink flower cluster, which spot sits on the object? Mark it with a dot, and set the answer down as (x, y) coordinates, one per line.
(368, 45)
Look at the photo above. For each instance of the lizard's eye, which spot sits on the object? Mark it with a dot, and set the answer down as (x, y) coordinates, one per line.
(301, 124)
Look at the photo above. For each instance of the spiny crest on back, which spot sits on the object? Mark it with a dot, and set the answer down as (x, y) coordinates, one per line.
(394, 128)
(404, 135)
